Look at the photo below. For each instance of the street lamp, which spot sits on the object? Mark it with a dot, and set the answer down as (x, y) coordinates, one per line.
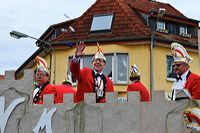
(161, 12)
(19, 35)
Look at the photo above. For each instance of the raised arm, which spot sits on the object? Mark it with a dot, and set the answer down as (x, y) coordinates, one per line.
(75, 63)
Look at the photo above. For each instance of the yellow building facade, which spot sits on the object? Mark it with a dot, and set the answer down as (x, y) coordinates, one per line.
(137, 54)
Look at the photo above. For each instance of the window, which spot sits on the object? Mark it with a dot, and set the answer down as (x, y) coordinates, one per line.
(183, 30)
(86, 61)
(102, 22)
(160, 25)
(121, 67)
(68, 72)
(170, 73)
(116, 67)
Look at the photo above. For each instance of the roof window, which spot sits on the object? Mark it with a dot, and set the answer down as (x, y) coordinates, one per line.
(102, 22)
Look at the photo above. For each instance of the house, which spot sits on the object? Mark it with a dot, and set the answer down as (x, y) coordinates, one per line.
(125, 30)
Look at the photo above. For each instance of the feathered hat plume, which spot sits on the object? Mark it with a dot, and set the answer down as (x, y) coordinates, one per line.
(99, 54)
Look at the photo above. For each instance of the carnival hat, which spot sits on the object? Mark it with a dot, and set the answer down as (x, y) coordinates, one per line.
(180, 54)
(99, 54)
(67, 80)
(134, 71)
(41, 64)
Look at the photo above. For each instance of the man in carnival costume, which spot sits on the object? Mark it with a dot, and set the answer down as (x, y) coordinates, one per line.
(186, 81)
(42, 84)
(136, 85)
(90, 81)
(64, 88)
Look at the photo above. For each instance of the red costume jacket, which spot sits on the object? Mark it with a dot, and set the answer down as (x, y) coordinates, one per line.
(86, 82)
(137, 86)
(193, 85)
(46, 89)
(63, 89)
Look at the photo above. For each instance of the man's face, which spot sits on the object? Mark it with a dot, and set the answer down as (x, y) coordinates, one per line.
(41, 78)
(98, 64)
(180, 68)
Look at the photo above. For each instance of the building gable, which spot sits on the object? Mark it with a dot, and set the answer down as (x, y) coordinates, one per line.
(131, 21)
(126, 24)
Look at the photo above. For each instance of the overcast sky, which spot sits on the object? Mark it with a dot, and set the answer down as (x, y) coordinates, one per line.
(33, 17)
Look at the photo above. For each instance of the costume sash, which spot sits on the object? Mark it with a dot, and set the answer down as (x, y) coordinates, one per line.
(100, 93)
(37, 95)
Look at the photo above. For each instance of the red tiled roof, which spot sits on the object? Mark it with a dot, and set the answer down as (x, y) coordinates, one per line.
(127, 22)
(148, 6)
(176, 38)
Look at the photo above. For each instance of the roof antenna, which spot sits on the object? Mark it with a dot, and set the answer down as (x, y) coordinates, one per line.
(66, 16)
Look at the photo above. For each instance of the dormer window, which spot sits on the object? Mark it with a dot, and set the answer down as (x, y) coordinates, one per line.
(183, 30)
(161, 27)
(102, 22)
